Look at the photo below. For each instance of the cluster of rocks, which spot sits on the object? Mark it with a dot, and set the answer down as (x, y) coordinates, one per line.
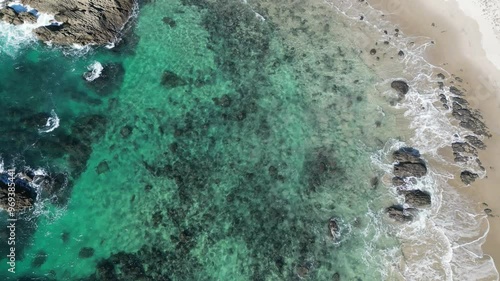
(409, 166)
(80, 21)
(25, 194)
(9, 15)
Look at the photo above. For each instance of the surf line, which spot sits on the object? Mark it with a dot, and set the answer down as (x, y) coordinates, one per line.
(11, 221)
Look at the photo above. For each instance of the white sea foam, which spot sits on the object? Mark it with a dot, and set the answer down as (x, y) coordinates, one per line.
(52, 123)
(94, 71)
(444, 242)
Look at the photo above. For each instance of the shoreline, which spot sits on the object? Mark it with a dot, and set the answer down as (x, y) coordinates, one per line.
(458, 49)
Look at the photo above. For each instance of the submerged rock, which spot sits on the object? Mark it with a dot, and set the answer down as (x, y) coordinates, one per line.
(25, 194)
(400, 86)
(109, 80)
(334, 228)
(171, 80)
(468, 177)
(86, 252)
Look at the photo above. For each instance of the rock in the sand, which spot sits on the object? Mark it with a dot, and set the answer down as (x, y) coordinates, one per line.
(407, 169)
(469, 119)
(409, 163)
(400, 86)
(407, 154)
(83, 21)
(463, 147)
(399, 214)
(454, 90)
(468, 177)
(333, 227)
(103, 167)
(475, 141)
(417, 198)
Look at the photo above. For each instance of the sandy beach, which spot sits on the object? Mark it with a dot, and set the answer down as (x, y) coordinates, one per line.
(465, 47)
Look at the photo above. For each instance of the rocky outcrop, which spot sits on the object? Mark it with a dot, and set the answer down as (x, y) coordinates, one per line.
(399, 213)
(468, 177)
(83, 21)
(417, 198)
(409, 163)
(9, 15)
(25, 194)
(401, 87)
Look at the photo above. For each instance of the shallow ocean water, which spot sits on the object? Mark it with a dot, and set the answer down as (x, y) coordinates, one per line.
(216, 145)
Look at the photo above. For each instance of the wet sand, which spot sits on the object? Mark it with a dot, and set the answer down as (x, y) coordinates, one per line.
(457, 49)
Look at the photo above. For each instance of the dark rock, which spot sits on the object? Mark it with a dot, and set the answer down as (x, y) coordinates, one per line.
(110, 79)
(396, 181)
(443, 98)
(406, 169)
(39, 260)
(407, 154)
(441, 75)
(9, 15)
(488, 211)
(400, 86)
(333, 228)
(336, 277)
(83, 22)
(401, 53)
(373, 52)
(86, 252)
(169, 21)
(65, 237)
(126, 131)
(224, 101)
(468, 177)
(171, 80)
(399, 214)
(454, 90)
(475, 141)
(460, 100)
(463, 147)
(103, 167)
(417, 198)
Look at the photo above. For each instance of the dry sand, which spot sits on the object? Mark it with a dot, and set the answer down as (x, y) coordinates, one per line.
(459, 49)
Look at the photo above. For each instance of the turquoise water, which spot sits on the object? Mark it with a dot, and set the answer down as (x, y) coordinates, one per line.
(219, 149)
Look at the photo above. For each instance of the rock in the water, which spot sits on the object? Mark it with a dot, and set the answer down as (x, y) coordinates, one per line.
(103, 167)
(407, 154)
(456, 91)
(334, 228)
(400, 86)
(83, 21)
(475, 142)
(417, 198)
(126, 131)
(406, 169)
(109, 80)
(468, 177)
(396, 181)
(169, 21)
(86, 252)
(400, 214)
(171, 80)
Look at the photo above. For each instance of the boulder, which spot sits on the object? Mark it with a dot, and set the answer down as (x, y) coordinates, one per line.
(334, 228)
(468, 177)
(475, 141)
(406, 169)
(400, 86)
(417, 198)
(399, 214)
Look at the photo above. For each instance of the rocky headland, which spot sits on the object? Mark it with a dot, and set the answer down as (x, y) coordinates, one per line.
(82, 22)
